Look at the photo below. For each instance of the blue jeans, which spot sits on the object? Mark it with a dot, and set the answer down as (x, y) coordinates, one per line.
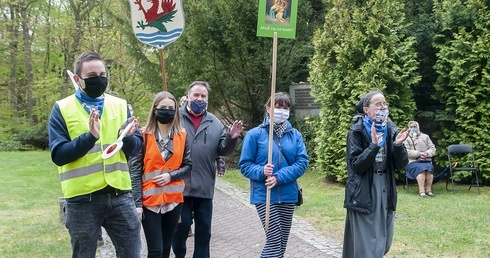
(203, 213)
(116, 213)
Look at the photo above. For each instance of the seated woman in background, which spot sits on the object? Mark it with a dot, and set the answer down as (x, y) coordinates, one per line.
(420, 152)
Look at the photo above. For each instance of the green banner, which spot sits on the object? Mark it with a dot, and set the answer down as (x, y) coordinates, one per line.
(277, 16)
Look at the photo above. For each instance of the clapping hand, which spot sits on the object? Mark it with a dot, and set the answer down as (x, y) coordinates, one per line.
(401, 136)
(133, 128)
(374, 137)
(94, 123)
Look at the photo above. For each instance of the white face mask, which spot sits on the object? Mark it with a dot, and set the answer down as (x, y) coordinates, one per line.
(381, 115)
(280, 115)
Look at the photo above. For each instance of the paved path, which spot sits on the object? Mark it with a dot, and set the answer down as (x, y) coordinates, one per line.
(237, 233)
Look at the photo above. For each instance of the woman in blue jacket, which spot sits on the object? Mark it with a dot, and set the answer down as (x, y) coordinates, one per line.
(289, 162)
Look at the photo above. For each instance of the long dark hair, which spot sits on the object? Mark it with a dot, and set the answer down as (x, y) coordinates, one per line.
(151, 121)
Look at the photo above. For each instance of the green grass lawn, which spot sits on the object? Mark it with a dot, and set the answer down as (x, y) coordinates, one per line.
(447, 225)
(29, 213)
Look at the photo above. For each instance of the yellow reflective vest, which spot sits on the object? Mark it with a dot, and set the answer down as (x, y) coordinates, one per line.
(90, 172)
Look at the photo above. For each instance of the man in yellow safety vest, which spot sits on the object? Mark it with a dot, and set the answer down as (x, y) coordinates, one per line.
(97, 190)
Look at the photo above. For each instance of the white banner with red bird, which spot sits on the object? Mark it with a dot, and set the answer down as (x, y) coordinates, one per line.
(157, 22)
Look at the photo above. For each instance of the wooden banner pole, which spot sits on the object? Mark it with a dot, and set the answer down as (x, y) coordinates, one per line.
(162, 64)
(271, 126)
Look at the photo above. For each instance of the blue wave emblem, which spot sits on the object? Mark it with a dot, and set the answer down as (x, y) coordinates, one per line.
(159, 38)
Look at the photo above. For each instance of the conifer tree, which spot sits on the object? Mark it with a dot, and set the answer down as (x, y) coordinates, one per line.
(463, 84)
(363, 45)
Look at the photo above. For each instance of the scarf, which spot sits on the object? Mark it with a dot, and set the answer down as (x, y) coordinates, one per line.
(89, 103)
(380, 128)
(279, 129)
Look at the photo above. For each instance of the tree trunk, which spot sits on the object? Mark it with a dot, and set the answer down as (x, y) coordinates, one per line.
(27, 38)
(13, 49)
(81, 11)
(47, 59)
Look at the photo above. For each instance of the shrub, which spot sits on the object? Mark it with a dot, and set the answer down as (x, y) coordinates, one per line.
(12, 144)
(36, 137)
(307, 128)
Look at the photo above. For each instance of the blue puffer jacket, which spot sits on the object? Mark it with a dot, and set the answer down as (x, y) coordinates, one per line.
(290, 162)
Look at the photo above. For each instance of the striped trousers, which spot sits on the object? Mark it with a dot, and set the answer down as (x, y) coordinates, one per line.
(280, 220)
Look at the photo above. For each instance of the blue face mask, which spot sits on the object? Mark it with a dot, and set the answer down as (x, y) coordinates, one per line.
(414, 130)
(198, 107)
(381, 115)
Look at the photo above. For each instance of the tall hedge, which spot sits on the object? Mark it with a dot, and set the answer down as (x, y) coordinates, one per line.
(463, 84)
(362, 45)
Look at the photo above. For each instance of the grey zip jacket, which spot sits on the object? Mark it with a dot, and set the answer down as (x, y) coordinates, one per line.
(209, 141)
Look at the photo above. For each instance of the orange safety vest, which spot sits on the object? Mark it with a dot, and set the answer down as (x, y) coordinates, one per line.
(153, 194)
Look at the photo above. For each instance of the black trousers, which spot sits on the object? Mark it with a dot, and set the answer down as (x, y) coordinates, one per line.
(159, 230)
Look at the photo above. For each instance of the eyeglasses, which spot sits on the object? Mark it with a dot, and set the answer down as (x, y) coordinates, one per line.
(380, 105)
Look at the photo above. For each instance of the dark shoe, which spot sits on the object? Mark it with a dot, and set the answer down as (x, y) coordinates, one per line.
(100, 241)
(422, 194)
(430, 193)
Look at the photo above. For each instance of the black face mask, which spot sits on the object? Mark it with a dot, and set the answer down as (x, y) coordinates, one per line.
(165, 116)
(95, 86)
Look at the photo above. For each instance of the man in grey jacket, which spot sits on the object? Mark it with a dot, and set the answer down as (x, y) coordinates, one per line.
(207, 138)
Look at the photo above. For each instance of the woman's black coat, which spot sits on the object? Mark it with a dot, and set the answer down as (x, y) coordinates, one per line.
(361, 154)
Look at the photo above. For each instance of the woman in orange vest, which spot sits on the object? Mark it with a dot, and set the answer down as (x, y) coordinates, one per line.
(157, 174)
